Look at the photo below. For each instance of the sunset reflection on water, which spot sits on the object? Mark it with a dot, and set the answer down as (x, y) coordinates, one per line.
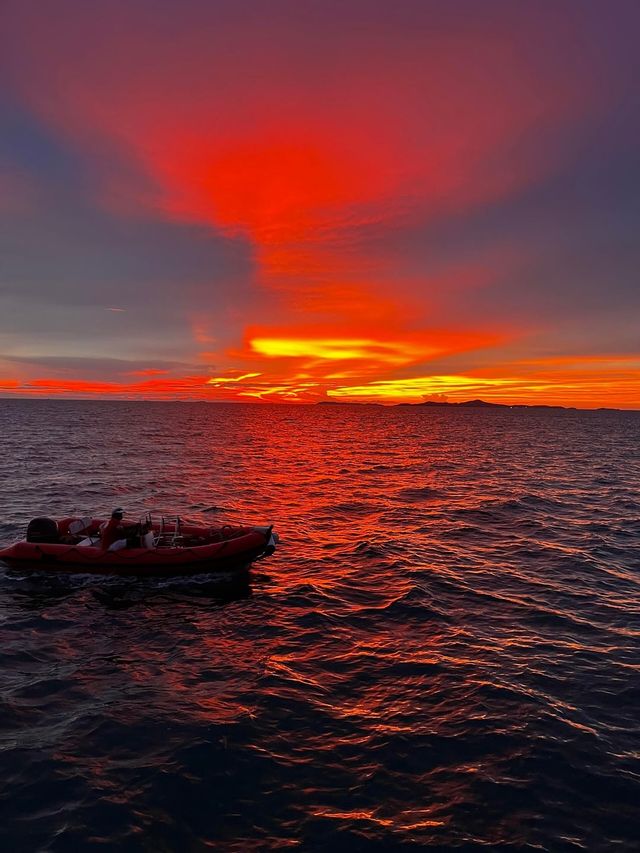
(439, 652)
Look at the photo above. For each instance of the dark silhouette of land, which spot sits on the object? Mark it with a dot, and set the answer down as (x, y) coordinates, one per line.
(468, 404)
(482, 404)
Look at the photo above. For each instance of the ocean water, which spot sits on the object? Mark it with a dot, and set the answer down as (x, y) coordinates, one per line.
(444, 653)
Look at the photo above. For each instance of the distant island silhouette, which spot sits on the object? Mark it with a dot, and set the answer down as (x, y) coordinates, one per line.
(468, 404)
(482, 404)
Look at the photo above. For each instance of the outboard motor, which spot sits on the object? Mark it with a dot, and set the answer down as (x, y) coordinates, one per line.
(44, 530)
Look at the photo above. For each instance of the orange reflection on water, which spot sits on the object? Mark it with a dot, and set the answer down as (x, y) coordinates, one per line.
(402, 822)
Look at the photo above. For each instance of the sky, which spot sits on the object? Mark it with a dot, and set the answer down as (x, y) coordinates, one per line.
(305, 200)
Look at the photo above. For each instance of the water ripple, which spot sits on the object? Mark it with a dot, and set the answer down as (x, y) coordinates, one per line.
(443, 654)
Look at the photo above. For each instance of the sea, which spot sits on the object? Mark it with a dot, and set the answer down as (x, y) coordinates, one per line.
(443, 653)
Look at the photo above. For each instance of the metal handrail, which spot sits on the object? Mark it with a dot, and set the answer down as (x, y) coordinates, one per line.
(169, 538)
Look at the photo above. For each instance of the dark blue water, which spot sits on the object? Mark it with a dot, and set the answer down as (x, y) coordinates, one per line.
(443, 654)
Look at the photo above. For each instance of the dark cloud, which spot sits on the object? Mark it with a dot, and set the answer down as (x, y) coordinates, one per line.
(561, 251)
(62, 248)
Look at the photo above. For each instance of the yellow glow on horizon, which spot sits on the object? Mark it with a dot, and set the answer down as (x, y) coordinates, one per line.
(419, 387)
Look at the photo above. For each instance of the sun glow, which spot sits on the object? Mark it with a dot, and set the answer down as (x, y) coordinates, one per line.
(390, 352)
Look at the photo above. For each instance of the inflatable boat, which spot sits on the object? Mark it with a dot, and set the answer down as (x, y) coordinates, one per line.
(145, 549)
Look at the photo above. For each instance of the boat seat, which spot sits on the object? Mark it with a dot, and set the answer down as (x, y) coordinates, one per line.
(79, 525)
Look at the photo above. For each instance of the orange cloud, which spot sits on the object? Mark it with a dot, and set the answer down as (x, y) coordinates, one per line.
(300, 156)
(222, 380)
(616, 384)
(149, 389)
(389, 352)
(309, 351)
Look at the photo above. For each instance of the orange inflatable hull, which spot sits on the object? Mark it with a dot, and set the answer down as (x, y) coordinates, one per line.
(195, 549)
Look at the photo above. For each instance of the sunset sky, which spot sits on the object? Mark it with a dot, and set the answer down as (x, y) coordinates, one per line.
(298, 200)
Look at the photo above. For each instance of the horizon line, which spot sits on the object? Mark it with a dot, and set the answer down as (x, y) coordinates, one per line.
(432, 403)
